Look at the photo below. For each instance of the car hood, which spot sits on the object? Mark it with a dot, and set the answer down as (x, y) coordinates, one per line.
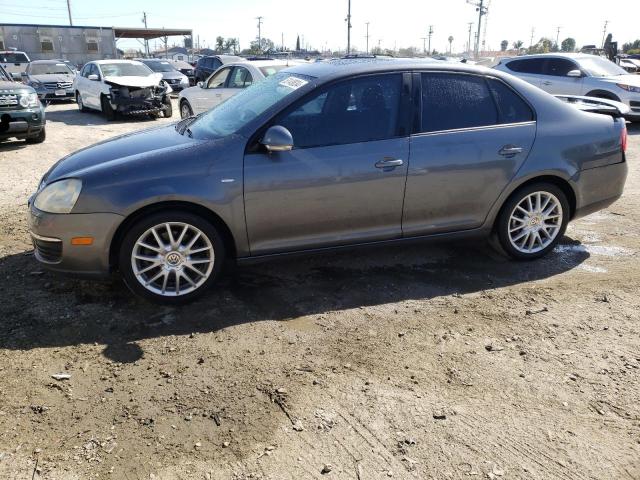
(142, 82)
(171, 75)
(124, 148)
(52, 77)
(14, 87)
(633, 80)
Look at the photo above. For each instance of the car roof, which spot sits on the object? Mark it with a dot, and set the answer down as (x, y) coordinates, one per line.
(102, 62)
(575, 56)
(261, 63)
(47, 61)
(347, 67)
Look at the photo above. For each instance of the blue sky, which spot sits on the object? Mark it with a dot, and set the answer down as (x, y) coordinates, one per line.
(321, 23)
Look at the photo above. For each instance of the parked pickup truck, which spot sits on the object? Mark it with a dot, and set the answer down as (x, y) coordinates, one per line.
(21, 113)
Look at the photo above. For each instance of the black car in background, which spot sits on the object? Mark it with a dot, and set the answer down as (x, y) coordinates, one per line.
(207, 65)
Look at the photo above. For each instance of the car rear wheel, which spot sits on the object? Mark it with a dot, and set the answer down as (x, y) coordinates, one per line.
(80, 103)
(171, 257)
(532, 221)
(185, 110)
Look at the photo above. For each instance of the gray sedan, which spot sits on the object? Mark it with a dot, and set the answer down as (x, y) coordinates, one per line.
(324, 156)
(51, 79)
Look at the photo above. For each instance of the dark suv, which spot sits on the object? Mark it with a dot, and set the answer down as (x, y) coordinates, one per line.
(207, 65)
(21, 113)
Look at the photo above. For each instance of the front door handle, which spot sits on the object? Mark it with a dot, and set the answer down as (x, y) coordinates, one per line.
(547, 82)
(510, 150)
(389, 162)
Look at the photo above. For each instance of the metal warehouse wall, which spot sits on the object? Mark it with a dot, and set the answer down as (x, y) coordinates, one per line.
(71, 43)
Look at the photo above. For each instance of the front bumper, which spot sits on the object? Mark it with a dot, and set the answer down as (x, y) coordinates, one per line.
(21, 124)
(51, 235)
(62, 94)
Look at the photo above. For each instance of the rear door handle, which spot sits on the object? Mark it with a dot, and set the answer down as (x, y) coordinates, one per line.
(389, 162)
(510, 150)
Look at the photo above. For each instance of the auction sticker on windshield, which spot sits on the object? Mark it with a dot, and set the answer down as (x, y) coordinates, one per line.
(293, 82)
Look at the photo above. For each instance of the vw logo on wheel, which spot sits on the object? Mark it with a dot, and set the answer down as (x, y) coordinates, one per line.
(173, 258)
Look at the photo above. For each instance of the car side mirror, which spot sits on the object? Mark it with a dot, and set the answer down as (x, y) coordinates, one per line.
(201, 84)
(277, 139)
(93, 77)
(575, 74)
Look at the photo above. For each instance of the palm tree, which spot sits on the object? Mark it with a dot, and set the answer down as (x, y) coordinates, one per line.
(517, 45)
(450, 43)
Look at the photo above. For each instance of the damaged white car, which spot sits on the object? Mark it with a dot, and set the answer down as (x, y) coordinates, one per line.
(122, 87)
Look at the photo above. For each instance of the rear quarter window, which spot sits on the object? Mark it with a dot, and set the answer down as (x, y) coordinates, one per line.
(511, 107)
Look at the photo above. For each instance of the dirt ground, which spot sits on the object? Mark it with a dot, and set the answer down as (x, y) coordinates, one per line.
(432, 361)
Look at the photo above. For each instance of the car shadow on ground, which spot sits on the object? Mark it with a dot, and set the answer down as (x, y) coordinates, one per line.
(73, 116)
(633, 128)
(41, 309)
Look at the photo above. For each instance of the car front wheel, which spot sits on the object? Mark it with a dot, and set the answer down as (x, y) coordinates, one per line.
(171, 257)
(532, 221)
(185, 110)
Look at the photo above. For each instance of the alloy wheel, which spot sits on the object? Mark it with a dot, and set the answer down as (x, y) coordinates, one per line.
(185, 111)
(535, 222)
(172, 259)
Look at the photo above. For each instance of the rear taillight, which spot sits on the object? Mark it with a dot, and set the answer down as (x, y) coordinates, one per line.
(623, 138)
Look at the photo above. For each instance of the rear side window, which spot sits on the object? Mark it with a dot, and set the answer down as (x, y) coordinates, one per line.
(454, 101)
(559, 67)
(511, 108)
(531, 65)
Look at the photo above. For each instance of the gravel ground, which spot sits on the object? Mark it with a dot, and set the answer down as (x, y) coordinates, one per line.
(437, 361)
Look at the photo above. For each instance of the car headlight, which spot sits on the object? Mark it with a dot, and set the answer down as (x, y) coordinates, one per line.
(628, 88)
(59, 197)
(29, 100)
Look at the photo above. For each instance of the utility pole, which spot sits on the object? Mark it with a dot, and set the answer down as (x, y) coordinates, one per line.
(69, 10)
(533, 32)
(349, 28)
(282, 41)
(604, 32)
(146, 42)
(469, 44)
(558, 38)
(259, 32)
(367, 37)
(430, 34)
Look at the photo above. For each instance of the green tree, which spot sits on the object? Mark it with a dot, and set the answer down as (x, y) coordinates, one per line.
(219, 44)
(517, 45)
(544, 45)
(504, 44)
(265, 45)
(635, 45)
(568, 45)
(230, 44)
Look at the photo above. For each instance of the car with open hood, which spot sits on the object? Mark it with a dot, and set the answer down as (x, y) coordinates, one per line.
(51, 79)
(21, 112)
(325, 156)
(122, 87)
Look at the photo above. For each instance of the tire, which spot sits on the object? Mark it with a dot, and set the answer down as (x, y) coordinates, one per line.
(168, 112)
(41, 137)
(527, 237)
(108, 112)
(209, 256)
(80, 103)
(185, 110)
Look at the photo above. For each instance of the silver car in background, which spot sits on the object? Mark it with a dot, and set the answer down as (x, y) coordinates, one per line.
(170, 74)
(324, 156)
(51, 79)
(578, 74)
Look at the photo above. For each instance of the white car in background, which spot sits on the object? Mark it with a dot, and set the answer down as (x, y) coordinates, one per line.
(225, 83)
(578, 74)
(122, 87)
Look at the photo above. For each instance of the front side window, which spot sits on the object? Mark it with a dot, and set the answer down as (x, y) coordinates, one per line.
(455, 101)
(359, 110)
(530, 65)
(559, 67)
(218, 80)
(240, 78)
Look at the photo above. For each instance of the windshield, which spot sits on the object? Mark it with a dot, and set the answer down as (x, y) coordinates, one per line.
(125, 70)
(160, 66)
(229, 117)
(600, 67)
(49, 68)
(13, 58)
